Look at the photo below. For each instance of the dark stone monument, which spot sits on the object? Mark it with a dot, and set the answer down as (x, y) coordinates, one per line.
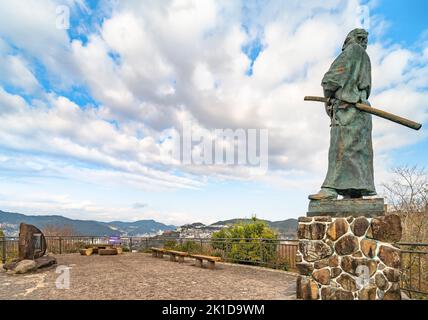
(32, 249)
(32, 242)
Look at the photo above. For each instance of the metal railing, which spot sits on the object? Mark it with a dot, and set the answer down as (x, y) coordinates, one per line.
(279, 254)
(8, 248)
(414, 269)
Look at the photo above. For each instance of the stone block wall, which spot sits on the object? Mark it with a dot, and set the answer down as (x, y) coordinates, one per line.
(349, 258)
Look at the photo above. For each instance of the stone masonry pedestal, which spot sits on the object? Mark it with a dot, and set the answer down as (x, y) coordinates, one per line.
(348, 258)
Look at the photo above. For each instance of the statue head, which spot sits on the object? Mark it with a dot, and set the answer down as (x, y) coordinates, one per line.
(359, 36)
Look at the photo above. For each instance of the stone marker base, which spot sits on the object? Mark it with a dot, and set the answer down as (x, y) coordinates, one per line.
(349, 258)
(18, 266)
(347, 207)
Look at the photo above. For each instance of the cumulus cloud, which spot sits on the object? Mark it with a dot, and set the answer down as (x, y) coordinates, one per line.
(15, 72)
(62, 130)
(150, 66)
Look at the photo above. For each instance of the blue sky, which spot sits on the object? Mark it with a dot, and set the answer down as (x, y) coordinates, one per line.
(88, 112)
(407, 19)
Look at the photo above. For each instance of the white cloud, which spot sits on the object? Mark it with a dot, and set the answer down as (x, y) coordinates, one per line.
(53, 131)
(31, 26)
(152, 65)
(15, 71)
(74, 207)
(390, 64)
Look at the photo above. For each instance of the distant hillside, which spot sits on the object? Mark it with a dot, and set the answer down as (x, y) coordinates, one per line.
(140, 227)
(288, 227)
(9, 222)
(236, 220)
(194, 225)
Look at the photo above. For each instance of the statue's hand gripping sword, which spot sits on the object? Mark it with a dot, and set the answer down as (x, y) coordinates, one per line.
(380, 113)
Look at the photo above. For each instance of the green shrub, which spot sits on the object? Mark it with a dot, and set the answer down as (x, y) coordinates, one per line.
(252, 243)
(186, 246)
(170, 245)
(189, 246)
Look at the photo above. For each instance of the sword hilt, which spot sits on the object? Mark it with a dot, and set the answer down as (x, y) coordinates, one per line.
(318, 99)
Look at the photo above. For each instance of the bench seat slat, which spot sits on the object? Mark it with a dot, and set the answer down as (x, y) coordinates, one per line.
(178, 253)
(209, 258)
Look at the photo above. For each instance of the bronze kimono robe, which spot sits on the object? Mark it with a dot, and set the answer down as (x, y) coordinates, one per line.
(350, 169)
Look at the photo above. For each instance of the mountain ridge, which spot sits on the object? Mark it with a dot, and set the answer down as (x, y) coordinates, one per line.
(11, 220)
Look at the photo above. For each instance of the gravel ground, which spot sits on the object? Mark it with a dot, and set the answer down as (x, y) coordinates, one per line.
(140, 276)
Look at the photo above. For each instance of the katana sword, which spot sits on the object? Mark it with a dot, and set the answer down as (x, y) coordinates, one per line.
(377, 112)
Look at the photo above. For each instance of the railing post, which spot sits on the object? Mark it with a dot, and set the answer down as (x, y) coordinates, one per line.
(3, 250)
(261, 252)
(147, 243)
(60, 245)
(410, 270)
(201, 246)
(420, 273)
(227, 248)
(130, 244)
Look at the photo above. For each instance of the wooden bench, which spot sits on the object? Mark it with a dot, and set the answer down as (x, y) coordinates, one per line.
(173, 254)
(200, 258)
(157, 252)
(101, 249)
(107, 251)
(96, 247)
(86, 252)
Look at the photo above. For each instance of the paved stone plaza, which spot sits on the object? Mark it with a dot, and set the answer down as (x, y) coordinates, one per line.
(140, 276)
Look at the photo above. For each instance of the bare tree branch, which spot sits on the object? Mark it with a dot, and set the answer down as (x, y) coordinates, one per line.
(407, 195)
